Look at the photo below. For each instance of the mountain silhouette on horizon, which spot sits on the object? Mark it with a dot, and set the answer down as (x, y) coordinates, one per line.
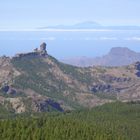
(92, 25)
(118, 56)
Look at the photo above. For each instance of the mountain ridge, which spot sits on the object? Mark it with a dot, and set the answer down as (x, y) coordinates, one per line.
(117, 56)
(41, 83)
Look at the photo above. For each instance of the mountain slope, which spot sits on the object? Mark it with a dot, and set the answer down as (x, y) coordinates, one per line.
(41, 83)
(118, 56)
(47, 77)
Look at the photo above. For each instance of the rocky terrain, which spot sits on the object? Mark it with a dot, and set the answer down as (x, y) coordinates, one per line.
(118, 56)
(37, 82)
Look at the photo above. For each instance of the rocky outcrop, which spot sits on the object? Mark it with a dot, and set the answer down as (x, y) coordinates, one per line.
(44, 105)
(43, 49)
(7, 72)
(25, 54)
(110, 79)
(112, 84)
(17, 104)
(137, 66)
(37, 52)
(104, 88)
(9, 90)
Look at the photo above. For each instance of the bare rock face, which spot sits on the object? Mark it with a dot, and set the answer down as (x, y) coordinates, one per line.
(43, 105)
(137, 66)
(7, 71)
(8, 90)
(37, 52)
(17, 104)
(110, 79)
(102, 88)
(43, 48)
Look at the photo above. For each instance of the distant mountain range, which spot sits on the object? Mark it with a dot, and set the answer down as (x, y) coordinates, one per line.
(91, 25)
(117, 56)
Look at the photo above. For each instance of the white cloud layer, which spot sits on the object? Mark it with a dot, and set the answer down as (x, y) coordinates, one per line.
(132, 39)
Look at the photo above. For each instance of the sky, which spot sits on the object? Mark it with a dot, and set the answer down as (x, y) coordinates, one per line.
(32, 14)
(15, 14)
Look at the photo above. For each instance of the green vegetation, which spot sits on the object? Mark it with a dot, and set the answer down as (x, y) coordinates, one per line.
(83, 77)
(73, 71)
(6, 95)
(38, 76)
(6, 111)
(115, 121)
(110, 96)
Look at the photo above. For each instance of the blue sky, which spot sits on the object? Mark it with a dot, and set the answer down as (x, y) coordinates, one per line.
(30, 14)
(37, 13)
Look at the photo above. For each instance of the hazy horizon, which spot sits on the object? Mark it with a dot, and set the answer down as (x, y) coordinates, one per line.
(32, 14)
(20, 20)
(69, 44)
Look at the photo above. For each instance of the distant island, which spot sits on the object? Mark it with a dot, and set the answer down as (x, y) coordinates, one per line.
(91, 25)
